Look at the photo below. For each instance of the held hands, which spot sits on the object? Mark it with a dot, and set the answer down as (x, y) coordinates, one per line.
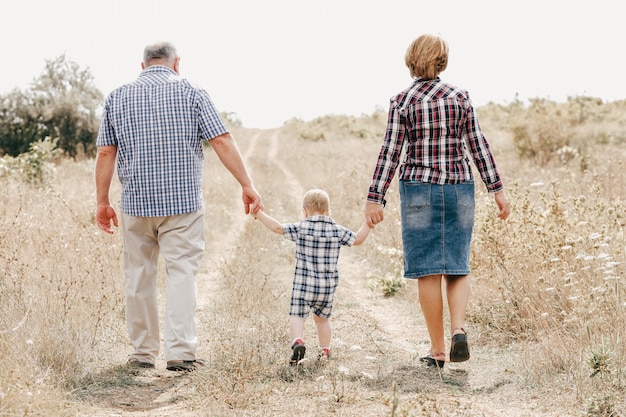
(373, 214)
(252, 202)
(105, 214)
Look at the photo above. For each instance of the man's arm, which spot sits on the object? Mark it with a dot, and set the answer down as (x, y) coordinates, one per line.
(105, 167)
(228, 152)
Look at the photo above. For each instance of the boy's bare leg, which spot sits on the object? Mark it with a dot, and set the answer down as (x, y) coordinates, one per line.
(323, 330)
(296, 327)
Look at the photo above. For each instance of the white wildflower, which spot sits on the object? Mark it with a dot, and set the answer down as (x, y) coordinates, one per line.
(343, 370)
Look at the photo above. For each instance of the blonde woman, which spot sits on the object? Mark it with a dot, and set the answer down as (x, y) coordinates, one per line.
(435, 123)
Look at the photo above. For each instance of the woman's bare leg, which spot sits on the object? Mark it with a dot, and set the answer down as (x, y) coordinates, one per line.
(431, 302)
(458, 293)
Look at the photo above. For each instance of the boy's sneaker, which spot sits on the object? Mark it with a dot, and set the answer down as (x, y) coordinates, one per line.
(323, 355)
(297, 352)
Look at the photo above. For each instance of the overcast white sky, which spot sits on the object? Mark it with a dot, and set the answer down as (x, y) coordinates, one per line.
(271, 60)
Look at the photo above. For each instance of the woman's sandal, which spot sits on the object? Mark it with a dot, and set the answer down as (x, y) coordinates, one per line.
(459, 349)
(432, 362)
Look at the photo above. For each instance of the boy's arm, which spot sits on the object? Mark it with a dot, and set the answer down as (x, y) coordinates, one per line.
(269, 222)
(361, 235)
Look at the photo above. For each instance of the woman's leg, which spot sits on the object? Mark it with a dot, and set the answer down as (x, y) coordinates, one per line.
(431, 302)
(458, 293)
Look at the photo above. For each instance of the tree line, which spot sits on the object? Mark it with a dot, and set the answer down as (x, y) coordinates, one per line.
(63, 104)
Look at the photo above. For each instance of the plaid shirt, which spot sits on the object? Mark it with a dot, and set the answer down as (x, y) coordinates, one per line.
(158, 123)
(437, 123)
(318, 240)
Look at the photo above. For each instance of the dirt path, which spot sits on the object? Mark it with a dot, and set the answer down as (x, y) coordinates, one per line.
(376, 340)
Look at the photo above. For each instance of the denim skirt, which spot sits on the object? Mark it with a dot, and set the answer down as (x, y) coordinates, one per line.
(437, 224)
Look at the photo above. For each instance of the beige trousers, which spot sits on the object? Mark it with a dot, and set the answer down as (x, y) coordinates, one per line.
(180, 240)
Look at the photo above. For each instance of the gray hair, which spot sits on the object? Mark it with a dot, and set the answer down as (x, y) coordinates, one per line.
(159, 51)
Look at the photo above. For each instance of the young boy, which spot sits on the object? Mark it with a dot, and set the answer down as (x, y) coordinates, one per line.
(318, 240)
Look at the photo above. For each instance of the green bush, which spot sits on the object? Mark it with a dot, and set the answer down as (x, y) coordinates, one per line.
(34, 166)
(62, 103)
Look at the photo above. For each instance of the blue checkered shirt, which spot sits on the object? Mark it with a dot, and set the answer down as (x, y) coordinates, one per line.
(318, 240)
(158, 123)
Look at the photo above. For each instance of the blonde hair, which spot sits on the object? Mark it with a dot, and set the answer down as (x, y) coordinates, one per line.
(427, 57)
(316, 201)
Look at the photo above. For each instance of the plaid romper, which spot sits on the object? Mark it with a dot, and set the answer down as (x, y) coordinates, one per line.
(318, 240)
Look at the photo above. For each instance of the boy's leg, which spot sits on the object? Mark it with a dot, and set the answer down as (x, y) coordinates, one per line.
(323, 330)
(296, 331)
(296, 327)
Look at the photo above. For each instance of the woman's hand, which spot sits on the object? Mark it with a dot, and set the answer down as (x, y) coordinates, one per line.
(373, 214)
(503, 205)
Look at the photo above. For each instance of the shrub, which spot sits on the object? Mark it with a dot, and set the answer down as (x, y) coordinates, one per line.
(34, 166)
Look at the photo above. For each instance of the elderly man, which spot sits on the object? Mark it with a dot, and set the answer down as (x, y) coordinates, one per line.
(155, 127)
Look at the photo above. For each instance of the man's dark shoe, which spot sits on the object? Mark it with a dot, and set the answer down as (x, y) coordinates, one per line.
(135, 363)
(184, 366)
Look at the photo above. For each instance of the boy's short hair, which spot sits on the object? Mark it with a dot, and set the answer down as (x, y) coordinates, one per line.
(427, 56)
(316, 201)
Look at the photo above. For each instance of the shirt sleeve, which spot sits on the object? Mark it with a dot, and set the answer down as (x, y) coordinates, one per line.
(106, 132)
(209, 120)
(389, 155)
(290, 231)
(349, 237)
(480, 150)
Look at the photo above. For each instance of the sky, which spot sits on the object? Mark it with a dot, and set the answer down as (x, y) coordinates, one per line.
(268, 61)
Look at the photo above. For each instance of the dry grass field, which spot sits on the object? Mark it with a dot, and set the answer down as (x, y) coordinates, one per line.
(546, 320)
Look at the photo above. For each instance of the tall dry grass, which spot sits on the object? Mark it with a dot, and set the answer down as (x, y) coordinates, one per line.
(548, 287)
(60, 295)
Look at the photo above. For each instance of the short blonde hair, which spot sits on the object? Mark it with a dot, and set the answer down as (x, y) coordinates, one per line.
(427, 57)
(316, 201)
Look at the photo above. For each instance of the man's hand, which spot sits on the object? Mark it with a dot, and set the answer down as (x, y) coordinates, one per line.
(105, 214)
(252, 202)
